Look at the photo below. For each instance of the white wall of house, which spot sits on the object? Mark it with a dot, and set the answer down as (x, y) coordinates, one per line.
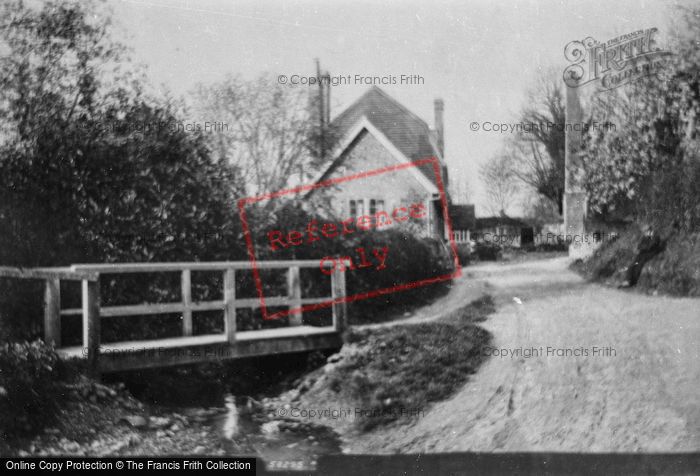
(387, 191)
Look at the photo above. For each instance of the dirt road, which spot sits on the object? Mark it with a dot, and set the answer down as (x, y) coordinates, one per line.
(640, 391)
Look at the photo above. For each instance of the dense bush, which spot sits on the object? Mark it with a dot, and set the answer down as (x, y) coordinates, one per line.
(676, 271)
(91, 169)
(410, 258)
(464, 252)
(560, 245)
(488, 251)
(613, 259)
(652, 262)
(647, 166)
(647, 169)
(28, 385)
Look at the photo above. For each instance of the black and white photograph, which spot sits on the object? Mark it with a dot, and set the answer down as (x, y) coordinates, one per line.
(350, 237)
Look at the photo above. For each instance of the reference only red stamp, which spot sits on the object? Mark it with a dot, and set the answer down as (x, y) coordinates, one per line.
(397, 197)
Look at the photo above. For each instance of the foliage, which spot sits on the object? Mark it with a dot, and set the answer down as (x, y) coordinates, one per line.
(676, 271)
(58, 65)
(28, 385)
(614, 257)
(464, 252)
(656, 264)
(74, 195)
(485, 251)
(410, 258)
(647, 167)
(91, 170)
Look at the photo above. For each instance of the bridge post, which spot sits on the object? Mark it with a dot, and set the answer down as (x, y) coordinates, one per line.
(91, 324)
(339, 306)
(52, 312)
(186, 291)
(294, 293)
(230, 305)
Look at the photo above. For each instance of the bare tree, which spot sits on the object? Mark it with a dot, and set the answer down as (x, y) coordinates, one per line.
(264, 130)
(539, 149)
(460, 191)
(500, 182)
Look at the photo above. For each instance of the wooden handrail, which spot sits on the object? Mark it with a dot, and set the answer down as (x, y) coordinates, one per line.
(92, 312)
(48, 273)
(177, 307)
(116, 268)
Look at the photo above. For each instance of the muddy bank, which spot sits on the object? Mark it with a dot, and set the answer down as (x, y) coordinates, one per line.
(106, 420)
(389, 376)
(181, 411)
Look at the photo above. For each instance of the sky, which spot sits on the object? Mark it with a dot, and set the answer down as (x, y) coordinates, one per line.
(480, 57)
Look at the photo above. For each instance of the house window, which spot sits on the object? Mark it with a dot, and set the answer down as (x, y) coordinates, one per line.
(376, 206)
(357, 208)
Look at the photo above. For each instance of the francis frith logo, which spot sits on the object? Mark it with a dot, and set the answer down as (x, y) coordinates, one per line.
(621, 60)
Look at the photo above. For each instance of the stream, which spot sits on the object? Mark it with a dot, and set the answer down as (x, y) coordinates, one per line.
(281, 443)
(228, 404)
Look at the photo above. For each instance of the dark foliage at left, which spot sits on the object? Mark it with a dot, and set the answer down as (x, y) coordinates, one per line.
(91, 168)
(29, 390)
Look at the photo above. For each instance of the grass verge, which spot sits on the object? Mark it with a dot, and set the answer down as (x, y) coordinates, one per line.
(676, 271)
(396, 372)
(671, 267)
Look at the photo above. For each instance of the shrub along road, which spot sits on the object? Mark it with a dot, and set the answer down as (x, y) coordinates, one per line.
(579, 396)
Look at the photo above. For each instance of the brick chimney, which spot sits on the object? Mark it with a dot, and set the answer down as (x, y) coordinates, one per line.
(440, 125)
(320, 106)
(327, 99)
(321, 97)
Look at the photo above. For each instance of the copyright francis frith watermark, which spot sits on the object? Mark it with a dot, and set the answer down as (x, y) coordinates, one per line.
(348, 413)
(602, 351)
(409, 79)
(616, 62)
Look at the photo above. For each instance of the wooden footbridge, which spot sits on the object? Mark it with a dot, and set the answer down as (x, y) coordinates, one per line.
(188, 348)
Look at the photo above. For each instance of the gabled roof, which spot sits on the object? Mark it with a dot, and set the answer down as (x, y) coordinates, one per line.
(406, 131)
(364, 126)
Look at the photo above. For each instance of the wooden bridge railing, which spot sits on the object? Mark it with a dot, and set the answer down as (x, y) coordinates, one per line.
(461, 236)
(91, 311)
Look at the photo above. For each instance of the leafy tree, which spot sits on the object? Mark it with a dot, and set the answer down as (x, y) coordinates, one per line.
(92, 170)
(648, 166)
(56, 66)
(94, 173)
